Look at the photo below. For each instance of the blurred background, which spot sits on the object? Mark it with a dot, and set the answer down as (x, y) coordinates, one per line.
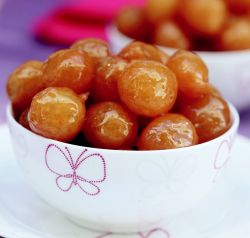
(17, 43)
(32, 29)
(56, 22)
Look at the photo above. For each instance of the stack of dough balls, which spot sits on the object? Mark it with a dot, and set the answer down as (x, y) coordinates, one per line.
(139, 99)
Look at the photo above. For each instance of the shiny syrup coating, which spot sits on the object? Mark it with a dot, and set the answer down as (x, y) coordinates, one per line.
(168, 132)
(163, 56)
(131, 22)
(183, 99)
(24, 83)
(56, 113)
(104, 86)
(140, 51)
(148, 88)
(96, 48)
(169, 34)
(191, 73)
(210, 115)
(214, 91)
(109, 125)
(23, 119)
(158, 10)
(69, 68)
(236, 35)
(203, 16)
(239, 6)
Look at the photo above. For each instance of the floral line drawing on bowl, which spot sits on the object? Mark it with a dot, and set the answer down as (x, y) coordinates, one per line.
(169, 173)
(21, 145)
(221, 160)
(70, 173)
(154, 233)
(168, 180)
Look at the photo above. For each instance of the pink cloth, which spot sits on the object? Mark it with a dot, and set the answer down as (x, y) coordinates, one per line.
(80, 19)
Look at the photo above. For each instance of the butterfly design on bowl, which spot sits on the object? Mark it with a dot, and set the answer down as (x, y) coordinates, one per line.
(86, 172)
(154, 233)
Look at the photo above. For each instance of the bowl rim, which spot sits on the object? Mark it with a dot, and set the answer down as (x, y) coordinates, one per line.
(112, 31)
(234, 127)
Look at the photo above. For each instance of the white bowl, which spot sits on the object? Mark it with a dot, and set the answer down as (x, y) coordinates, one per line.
(120, 191)
(229, 71)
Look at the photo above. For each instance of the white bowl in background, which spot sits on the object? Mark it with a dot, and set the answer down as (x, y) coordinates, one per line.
(228, 71)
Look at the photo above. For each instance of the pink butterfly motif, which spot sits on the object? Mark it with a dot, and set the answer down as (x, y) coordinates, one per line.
(85, 172)
(154, 233)
(157, 232)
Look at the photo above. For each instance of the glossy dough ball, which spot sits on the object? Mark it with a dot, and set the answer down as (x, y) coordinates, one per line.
(236, 35)
(158, 10)
(24, 83)
(191, 73)
(23, 120)
(105, 83)
(96, 48)
(148, 88)
(109, 125)
(140, 51)
(56, 113)
(69, 68)
(214, 91)
(168, 132)
(239, 6)
(169, 34)
(205, 17)
(131, 22)
(209, 114)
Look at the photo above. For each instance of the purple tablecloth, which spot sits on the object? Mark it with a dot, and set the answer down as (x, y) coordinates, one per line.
(18, 45)
(16, 42)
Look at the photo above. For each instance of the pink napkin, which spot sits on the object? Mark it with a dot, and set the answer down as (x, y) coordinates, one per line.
(80, 19)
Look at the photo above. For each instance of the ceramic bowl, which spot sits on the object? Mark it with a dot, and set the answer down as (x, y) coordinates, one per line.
(228, 71)
(116, 190)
